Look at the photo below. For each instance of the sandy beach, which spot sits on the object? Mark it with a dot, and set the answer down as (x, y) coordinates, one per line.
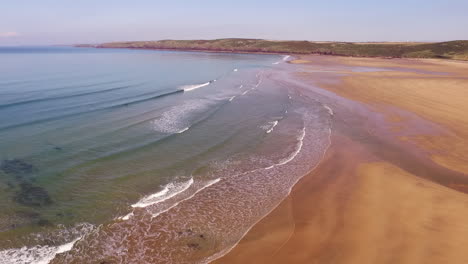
(392, 188)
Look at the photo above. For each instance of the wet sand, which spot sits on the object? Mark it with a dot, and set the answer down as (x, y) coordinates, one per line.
(393, 186)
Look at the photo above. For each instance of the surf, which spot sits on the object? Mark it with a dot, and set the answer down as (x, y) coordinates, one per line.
(191, 87)
(208, 184)
(273, 125)
(169, 191)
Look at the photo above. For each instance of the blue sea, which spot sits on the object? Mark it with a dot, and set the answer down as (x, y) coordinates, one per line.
(143, 156)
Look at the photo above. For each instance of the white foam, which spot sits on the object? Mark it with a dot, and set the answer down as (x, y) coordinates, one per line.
(235, 70)
(259, 82)
(232, 98)
(285, 58)
(227, 250)
(169, 191)
(330, 111)
(191, 87)
(246, 92)
(183, 130)
(259, 76)
(127, 216)
(34, 255)
(178, 118)
(298, 148)
(240, 87)
(299, 145)
(209, 183)
(273, 124)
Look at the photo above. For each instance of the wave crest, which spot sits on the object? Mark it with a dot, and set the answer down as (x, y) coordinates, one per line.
(169, 191)
(192, 87)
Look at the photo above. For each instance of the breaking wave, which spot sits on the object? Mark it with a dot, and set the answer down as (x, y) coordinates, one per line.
(208, 184)
(299, 145)
(273, 124)
(330, 111)
(169, 191)
(285, 58)
(178, 119)
(43, 254)
(192, 87)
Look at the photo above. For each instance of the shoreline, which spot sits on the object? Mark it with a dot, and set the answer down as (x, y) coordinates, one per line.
(296, 54)
(444, 50)
(361, 150)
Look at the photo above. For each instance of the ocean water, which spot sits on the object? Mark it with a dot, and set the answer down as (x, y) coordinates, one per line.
(134, 156)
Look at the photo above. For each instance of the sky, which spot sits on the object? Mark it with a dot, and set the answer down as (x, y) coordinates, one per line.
(44, 22)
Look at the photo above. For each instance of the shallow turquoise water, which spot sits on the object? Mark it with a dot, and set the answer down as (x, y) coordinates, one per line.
(89, 137)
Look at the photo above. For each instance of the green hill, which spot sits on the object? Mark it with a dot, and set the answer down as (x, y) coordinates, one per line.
(446, 50)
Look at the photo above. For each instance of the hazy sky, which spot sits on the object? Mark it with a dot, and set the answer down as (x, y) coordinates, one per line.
(29, 22)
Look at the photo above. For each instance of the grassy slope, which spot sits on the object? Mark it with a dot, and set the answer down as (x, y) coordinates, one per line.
(448, 50)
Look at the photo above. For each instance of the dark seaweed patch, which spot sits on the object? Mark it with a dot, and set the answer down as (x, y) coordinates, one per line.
(28, 214)
(16, 167)
(31, 195)
(44, 222)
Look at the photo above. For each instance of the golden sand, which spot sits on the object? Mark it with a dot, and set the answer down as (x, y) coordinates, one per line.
(370, 202)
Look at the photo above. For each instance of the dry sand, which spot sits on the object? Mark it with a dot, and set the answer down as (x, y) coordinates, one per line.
(393, 185)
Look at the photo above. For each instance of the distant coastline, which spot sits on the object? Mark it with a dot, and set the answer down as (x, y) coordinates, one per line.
(455, 50)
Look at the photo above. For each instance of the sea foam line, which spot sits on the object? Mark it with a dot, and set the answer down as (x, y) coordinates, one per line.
(298, 148)
(192, 87)
(275, 123)
(294, 154)
(330, 111)
(169, 191)
(285, 58)
(188, 198)
(227, 250)
(36, 254)
(182, 130)
(259, 82)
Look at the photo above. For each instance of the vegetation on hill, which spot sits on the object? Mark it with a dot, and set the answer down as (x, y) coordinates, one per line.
(447, 50)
